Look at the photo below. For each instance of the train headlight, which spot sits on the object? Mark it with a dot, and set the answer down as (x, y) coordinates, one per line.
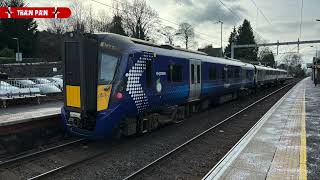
(119, 95)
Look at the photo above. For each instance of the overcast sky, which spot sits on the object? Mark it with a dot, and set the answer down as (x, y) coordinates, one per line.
(273, 19)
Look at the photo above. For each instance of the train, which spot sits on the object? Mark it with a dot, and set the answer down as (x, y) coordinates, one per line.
(120, 86)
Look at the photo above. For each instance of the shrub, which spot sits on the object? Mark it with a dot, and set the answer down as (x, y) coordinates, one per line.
(6, 52)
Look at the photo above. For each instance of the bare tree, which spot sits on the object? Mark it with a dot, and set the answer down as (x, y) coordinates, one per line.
(292, 59)
(292, 63)
(186, 33)
(296, 59)
(169, 33)
(139, 19)
(102, 22)
(90, 20)
(79, 15)
(57, 26)
(83, 17)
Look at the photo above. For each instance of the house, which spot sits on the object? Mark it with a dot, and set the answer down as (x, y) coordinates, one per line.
(215, 52)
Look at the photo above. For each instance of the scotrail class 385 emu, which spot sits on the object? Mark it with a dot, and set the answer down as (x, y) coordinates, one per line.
(116, 85)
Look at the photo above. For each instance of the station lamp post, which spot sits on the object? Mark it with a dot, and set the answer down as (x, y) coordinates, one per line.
(316, 47)
(18, 54)
(17, 44)
(221, 23)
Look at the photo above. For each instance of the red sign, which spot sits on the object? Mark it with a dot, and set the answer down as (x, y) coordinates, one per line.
(35, 12)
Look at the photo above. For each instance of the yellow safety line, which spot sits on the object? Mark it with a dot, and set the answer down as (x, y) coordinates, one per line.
(303, 145)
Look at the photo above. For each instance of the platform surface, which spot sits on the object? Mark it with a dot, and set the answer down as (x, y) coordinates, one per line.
(285, 144)
(21, 114)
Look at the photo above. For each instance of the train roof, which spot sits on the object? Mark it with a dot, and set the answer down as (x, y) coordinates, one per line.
(269, 68)
(129, 44)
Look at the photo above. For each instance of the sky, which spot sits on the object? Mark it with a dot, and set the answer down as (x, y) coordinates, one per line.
(272, 20)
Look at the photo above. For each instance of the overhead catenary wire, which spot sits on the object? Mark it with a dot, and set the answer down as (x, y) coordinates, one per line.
(239, 17)
(264, 16)
(175, 23)
(172, 22)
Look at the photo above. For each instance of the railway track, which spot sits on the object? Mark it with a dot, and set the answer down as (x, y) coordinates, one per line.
(50, 171)
(18, 158)
(25, 158)
(184, 145)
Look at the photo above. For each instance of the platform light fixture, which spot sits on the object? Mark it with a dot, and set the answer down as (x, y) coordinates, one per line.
(316, 50)
(17, 39)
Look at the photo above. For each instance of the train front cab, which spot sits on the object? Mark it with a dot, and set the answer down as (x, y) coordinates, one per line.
(90, 69)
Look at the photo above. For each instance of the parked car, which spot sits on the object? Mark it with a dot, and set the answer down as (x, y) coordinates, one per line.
(45, 86)
(41, 81)
(23, 83)
(57, 82)
(7, 86)
(58, 76)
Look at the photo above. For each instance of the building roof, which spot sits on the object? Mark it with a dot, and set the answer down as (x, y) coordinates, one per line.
(215, 52)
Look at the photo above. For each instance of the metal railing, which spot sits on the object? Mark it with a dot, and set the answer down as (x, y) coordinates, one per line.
(22, 88)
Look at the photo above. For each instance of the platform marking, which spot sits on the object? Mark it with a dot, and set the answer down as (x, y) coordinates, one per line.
(303, 140)
(221, 167)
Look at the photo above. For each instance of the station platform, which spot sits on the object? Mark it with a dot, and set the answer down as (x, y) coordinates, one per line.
(23, 114)
(27, 126)
(284, 144)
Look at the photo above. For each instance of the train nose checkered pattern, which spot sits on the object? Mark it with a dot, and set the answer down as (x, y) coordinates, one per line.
(134, 86)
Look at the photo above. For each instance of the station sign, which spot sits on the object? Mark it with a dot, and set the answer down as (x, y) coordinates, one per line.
(19, 57)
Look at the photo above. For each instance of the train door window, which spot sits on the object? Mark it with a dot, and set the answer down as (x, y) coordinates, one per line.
(230, 73)
(223, 74)
(236, 73)
(169, 73)
(244, 74)
(192, 73)
(212, 73)
(149, 73)
(198, 73)
(248, 75)
(175, 73)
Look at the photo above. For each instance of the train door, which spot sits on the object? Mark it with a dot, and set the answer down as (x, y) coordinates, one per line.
(195, 79)
(80, 77)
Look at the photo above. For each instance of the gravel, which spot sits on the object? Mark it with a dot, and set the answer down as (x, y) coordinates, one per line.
(130, 154)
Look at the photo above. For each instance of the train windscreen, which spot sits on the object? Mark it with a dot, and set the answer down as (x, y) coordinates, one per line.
(108, 67)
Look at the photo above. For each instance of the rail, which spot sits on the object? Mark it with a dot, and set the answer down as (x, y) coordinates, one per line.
(30, 155)
(201, 134)
(64, 167)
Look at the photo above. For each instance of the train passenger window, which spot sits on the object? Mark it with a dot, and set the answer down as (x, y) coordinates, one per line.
(230, 73)
(175, 73)
(149, 73)
(192, 73)
(244, 74)
(236, 73)
(212, 73)
(198, 73)
(223, 74)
